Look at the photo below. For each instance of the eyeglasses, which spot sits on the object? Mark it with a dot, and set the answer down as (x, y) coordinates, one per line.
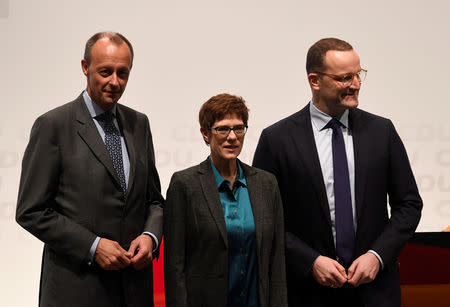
(347, 79)
(224, 131)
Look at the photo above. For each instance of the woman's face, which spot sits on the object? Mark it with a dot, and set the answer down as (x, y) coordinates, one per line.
(225, 147)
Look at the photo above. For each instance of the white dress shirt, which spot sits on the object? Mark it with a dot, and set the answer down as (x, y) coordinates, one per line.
(323, 139)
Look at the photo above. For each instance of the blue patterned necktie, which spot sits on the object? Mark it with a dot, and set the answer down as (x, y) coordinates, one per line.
(113, 145)
(345, 234)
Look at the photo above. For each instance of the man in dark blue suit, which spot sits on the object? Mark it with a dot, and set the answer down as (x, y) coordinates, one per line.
(336, 166)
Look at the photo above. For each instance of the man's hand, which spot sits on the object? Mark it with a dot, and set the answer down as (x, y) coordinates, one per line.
(329, 272)
(363, 270)
(111, 256)
(141, 250)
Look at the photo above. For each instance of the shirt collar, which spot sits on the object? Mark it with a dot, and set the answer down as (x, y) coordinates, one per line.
(320, 119)
(240, 178)
(93, 108)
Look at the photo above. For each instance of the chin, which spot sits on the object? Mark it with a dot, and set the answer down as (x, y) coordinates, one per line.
(350, 104)
(230, 157)
(110, 100)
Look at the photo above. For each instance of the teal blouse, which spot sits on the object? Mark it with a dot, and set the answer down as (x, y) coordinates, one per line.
(242, 261)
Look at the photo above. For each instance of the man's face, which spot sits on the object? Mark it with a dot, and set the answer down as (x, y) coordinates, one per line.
(331, 95)
(107, 74)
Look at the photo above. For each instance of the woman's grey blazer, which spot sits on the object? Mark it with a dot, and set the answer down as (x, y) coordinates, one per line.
(195, 239)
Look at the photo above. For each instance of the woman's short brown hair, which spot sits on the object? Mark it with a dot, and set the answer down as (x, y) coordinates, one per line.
(219, 106)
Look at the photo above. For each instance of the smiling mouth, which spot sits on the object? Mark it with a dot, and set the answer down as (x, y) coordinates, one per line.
(350, 94)
(111, 94)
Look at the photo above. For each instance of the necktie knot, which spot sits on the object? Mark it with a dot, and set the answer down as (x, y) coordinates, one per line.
(106, 121)
(106, 117)
(334, 124)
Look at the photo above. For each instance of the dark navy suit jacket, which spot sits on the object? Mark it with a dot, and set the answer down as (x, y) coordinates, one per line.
(287, 149)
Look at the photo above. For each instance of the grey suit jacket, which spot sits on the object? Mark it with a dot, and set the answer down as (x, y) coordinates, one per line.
(69, 194)
(195, 239)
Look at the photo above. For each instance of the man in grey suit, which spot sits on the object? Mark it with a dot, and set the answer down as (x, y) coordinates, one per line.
(90, 191)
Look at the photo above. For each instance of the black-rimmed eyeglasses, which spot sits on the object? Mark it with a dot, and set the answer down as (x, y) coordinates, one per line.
(224, 131)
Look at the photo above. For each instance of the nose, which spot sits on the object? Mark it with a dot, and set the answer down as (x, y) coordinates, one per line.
(114, 80)
(356, 84)
(232, 135)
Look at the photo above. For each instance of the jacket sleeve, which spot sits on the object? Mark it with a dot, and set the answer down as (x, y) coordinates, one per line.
(36, 209)
(154, 199)
(404, 200)
(278, 293)
(175, 243)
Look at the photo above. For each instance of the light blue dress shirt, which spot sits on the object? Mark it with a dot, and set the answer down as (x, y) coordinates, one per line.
(95, 110)
(323, 139)
(242, 261)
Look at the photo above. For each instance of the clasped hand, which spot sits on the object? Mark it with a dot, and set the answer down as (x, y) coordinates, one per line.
(330, 273)
(111, 256)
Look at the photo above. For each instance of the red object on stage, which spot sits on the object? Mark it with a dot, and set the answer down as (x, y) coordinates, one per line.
(425, 270)
(424, 264)
(158, 279)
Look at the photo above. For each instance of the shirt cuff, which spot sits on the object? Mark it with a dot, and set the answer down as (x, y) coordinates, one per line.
(154, 239)
(92, 251)
(378, 256)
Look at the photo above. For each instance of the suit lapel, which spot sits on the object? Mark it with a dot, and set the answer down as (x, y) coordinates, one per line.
(255, 193)
(360, 151)
(303, 138)
(129, 141)
(89, 133)
(210, 191)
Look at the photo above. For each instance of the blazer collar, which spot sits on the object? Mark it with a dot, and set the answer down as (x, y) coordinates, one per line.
(128, 133)
(302, 137)
(361, 154)
(211, 193)
(88, 132)
(255, 192)
(209, 188)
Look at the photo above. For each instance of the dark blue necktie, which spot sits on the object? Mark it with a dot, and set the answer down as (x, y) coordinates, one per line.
(345, 234)
(113, 145)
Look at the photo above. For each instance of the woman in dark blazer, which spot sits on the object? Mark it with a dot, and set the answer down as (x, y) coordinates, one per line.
(223, 222)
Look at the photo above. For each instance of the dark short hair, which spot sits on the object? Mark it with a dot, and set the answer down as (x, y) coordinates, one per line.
(114, 37)
(316, 53)
(219, 106)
